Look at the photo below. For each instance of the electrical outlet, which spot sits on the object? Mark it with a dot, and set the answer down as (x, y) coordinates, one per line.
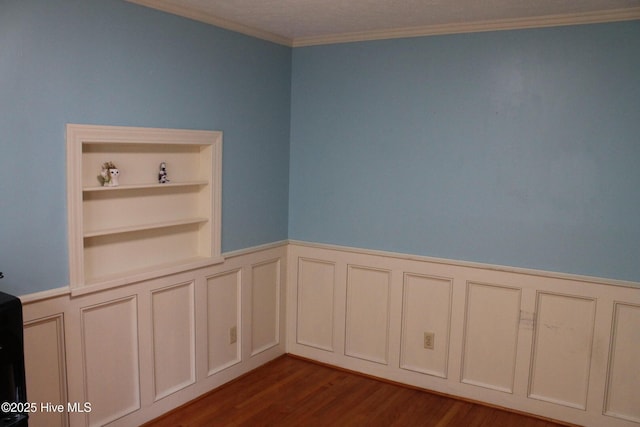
(233, 335)
(429, 340)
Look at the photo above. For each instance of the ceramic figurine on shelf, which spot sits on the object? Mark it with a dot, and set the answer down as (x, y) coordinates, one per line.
(163, 178)
(109, 175)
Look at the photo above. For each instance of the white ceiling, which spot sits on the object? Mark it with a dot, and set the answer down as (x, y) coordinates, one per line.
(306, 22)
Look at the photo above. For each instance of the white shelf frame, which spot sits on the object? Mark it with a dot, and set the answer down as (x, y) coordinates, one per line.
(80, 135)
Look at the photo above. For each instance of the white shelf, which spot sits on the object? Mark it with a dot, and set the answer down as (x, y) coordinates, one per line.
(141, 228)
(146, 186)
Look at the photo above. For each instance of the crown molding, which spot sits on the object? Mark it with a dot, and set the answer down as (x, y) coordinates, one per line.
(613, 15)
(476, 27)
(207, 18)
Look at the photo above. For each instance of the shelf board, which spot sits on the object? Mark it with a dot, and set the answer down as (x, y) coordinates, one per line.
(143, 227)
(145, 186)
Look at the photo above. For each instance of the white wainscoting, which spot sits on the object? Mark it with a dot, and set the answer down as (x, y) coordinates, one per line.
(111, 384)
(561, 358)
(174, 344)
(223, 314)
(45, 362)
(367, 316)
(426, 307)
(265, 306)
(491, 336)
(560, 346)
(139, 350)
(316, 293)
(625, 352)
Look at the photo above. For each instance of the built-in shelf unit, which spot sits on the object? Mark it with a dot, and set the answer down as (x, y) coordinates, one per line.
(141, 229)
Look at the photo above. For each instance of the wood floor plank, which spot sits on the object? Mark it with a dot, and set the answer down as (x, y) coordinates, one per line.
(293, 392)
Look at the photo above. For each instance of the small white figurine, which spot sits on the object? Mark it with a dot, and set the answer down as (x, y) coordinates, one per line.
(163, 178)
(109, 175)
(113, 174)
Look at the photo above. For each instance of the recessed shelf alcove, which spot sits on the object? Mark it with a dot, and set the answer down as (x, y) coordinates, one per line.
(141, 229)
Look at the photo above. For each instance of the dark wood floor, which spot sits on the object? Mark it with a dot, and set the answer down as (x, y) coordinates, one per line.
(293, 392)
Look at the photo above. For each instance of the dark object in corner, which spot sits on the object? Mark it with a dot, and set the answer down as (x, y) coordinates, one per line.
(13, 388)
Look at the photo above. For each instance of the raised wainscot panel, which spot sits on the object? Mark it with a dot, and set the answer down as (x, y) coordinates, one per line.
(426, 309)
(316, 287)
(623, 385)
(491, 336)
(110, 353)
(367, 316)
(173, 338)
(265, 306)
(44, 360)
(223, 321)
(562, 345)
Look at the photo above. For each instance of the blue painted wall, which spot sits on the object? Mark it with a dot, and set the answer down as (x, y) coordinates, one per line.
(518, 148)
(115, 63)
